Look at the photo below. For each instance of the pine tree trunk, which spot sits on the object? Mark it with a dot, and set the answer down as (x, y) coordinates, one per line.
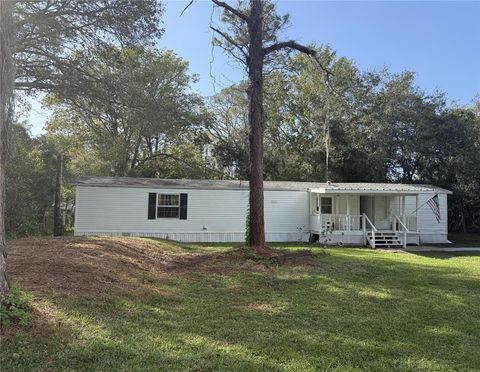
(57, 211)
(3, 247)
(256, 120)
(7, 78)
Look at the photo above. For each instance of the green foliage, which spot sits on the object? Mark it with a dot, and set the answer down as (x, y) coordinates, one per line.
(132, 111)
(153, 128)
(46, 32)
(348, 310)
(273, 26)
(247, 227)
(229, 130)
(452, 160)
(371, 126)
(30, 181)
(14, 307)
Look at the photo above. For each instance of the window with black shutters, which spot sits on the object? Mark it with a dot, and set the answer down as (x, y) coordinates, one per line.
(168, 206)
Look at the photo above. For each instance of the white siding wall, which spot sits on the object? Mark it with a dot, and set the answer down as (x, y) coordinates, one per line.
(213, 215)
(430, 230)
(341, 204)
(219, 215)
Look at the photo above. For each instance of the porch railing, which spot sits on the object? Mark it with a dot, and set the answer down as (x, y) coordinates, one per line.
(400, 226)
(336, 222)
(410, 222)
(351, 222)
(374, 230)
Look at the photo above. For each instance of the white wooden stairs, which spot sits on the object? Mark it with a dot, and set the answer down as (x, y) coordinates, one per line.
(384, 239)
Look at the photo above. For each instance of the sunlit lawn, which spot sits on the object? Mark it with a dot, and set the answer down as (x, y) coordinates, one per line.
(349, 309)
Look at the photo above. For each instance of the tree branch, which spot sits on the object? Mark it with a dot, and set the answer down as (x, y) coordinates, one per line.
(230, 40)
(141, 162)
(291, 44)
(232, 10)
(188, 6)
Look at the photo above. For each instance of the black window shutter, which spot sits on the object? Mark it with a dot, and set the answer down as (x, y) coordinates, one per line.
(183, 206)
(152, 205)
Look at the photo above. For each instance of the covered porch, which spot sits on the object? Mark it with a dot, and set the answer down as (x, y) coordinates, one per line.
(379, 218)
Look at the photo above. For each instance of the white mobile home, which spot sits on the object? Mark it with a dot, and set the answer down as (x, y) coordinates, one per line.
(376, 214)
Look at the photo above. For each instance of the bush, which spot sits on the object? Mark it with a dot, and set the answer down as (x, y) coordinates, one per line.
(14, 307)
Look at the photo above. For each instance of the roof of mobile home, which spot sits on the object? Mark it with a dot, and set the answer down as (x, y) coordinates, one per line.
(329, 187)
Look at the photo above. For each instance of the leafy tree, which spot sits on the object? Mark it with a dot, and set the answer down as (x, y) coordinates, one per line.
(372, 126)
(36, 38)
(229, 130)
(30, 184)
(141, 110)
(452, 160)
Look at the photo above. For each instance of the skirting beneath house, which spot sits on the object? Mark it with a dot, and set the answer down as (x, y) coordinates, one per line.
(202, 237)
(433, 238)
(355, 239)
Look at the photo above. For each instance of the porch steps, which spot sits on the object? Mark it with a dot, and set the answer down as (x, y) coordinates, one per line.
(384, 239)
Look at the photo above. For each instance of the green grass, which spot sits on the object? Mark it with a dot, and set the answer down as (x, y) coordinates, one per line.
(349, 309)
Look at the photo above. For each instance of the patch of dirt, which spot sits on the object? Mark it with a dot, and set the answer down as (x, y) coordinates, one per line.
(268, 254)
(391, 250)
(87, 265)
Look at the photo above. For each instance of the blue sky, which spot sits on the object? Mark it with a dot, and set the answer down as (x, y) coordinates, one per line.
(440, 41)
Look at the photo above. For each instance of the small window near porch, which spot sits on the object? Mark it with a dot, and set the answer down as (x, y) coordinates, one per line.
(168, 206)
(326, 205)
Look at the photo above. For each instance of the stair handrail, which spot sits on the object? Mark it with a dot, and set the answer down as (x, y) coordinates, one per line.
(404, 228)
(396, 218)
(370, 222)
(374, 230)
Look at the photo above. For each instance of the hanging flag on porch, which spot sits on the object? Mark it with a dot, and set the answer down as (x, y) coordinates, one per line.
(435, 206)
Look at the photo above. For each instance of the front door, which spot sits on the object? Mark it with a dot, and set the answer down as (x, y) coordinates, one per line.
(383, 221)
(367, 206)
(376, 209)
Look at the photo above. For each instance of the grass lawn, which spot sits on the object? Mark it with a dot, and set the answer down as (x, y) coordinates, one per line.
(118, 304)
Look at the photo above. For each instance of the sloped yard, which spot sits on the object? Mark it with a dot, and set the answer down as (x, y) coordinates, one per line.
(139, 304)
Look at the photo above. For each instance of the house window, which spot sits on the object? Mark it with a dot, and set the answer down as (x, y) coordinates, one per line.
(168, 206)
(326, 205)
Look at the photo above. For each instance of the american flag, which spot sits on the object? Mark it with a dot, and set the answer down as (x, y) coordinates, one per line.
(433, 203)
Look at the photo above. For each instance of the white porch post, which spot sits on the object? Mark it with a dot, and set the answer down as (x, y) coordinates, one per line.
(416, 212)
(348, 213)
(309, 203)
(364, 228)
(404, 222)
(309, 212)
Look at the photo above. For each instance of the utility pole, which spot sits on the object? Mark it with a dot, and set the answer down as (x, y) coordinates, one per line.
(57, 211)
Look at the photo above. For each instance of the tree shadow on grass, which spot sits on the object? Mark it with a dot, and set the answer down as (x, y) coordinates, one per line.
(447, 255)
(347, 309)
(253, 321)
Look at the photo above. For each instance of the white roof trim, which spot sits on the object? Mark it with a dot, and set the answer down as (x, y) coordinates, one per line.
(373, 190)
(320, 187)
